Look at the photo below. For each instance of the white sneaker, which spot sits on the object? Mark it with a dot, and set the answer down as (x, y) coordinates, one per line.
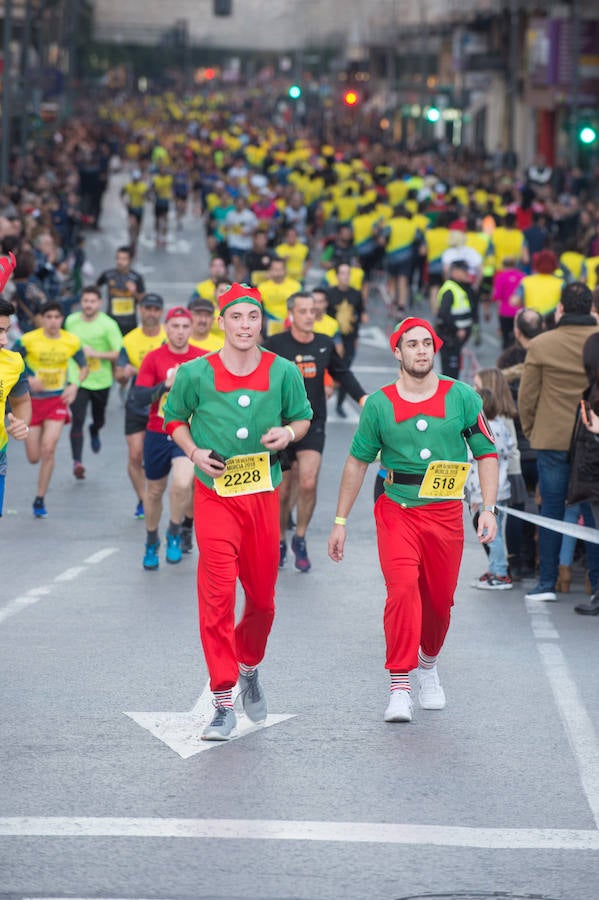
(431, 694)
(400, 707)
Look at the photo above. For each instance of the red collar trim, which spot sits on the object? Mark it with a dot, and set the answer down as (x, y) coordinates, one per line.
(404, 409)
(258, 380)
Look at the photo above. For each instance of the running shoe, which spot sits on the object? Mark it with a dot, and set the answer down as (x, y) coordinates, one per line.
(431, 694)
(174, 553)
(298, 545)
(252, 696)
(94, 437)
(478, 581)
(496, 583)
(400, 707)
(139, 511)
(538, 592)
(223, 725)
(39, 508)
(151, 561)
(79, 470)
(186, 539)
(282, 553)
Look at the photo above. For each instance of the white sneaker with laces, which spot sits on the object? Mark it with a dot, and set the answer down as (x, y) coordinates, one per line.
(400, 707)
(431, 694)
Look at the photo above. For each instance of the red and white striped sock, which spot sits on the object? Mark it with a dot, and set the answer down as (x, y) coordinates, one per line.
(400, 681)
(246, 670)
(224, 698)
(426, 662)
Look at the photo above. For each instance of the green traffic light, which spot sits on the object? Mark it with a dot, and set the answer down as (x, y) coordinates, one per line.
(295, 92)
(433, 114)
(587, 135)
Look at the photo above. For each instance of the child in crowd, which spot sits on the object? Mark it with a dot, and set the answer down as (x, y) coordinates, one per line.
(498, 577)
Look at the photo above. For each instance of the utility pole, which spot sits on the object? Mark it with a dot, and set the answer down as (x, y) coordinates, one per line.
(576, 41)
(6, 86)
(25, 93)
(512, 82)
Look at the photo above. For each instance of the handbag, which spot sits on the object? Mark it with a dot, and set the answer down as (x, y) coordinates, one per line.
(583, 483)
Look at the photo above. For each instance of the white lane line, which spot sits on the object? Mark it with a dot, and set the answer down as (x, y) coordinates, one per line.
(282, 830)
(37, 593)
(16, 606)
(577, 723)
(101, 555)
(70, 574)
(544, 630)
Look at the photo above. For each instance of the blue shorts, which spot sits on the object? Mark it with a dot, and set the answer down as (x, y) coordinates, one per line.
(159, 451)
(2, 480)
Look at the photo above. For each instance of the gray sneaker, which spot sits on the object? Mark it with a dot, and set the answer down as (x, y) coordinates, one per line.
(223, 725)
(186, 539)
(252, 697)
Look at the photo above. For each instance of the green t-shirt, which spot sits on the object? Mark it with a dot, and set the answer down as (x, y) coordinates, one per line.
(102, 334)
(230, 413)
(409, 436)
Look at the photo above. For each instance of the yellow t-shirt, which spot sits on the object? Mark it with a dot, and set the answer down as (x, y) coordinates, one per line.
(163, 186)
(327, 325)
(437, 242)
(48, 357)
(136, 193)
(589, 273)
(275, 298)
(137, 344)
(11, 368)
(540, 292)
(295, 255)
(572, 262)
(356, 277)
(397, 191)
(212, 343)
(507, 243)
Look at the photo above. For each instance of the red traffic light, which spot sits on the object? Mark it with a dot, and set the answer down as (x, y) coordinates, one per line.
(351, 98)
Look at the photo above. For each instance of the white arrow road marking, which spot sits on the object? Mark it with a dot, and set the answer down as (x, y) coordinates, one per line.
(182, 731)
(373, 336)
(410, 834)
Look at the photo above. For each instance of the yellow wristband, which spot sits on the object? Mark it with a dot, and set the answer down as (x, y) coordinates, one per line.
(339, 520)
(291, 431)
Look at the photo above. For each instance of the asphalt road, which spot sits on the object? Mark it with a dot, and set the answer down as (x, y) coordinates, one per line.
(495, 796)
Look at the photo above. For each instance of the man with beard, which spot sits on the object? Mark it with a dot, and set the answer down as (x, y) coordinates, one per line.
(420, 426)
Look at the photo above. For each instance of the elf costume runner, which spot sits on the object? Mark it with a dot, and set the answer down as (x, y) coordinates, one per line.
(230, 406)
(420, 426)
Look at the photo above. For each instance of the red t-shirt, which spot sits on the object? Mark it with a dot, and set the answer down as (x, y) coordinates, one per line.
(153, 370)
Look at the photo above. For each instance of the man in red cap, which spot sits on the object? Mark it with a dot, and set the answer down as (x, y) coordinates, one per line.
(231, 413)
(161, 454)
(420, 425)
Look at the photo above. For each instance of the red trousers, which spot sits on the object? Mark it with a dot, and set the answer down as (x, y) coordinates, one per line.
(238, 537)
(420, 549)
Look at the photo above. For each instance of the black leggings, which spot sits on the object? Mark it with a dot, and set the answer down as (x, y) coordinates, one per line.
(99, 401)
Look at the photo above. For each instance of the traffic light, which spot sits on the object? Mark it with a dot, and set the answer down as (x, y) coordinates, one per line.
(433, 114)
(351, 98)
(587, 135)
(295, 92)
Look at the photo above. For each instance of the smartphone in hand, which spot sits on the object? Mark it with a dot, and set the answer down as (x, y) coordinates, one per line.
(585, 412)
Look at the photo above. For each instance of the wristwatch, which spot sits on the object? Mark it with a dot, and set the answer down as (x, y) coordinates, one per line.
(491, 509)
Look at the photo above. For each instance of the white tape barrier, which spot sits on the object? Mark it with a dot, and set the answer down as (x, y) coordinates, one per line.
(591, 535)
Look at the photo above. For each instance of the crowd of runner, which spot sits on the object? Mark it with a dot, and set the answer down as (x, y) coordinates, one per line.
(322, 229)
